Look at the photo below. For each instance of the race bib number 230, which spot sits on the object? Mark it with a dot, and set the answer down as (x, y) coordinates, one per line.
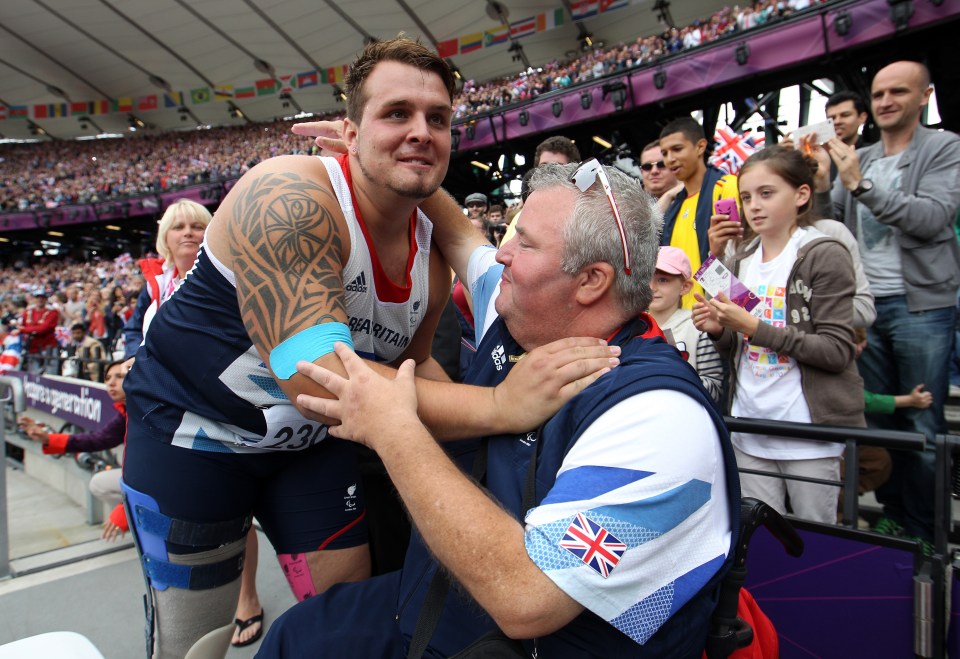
(288, 430)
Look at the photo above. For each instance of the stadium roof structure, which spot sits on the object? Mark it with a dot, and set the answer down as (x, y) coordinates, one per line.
(78, 68)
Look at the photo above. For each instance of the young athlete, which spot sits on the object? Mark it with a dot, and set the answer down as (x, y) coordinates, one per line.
(797, 363)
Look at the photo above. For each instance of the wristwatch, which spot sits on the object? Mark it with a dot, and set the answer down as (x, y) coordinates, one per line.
(865, 185)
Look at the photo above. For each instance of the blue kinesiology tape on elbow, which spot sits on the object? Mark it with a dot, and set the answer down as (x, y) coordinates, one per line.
(307, 345)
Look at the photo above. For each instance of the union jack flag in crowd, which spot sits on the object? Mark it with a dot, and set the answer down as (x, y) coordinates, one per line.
(593, 545)
(12, 353)
(62, 334)
(123, 260)
(731, 149)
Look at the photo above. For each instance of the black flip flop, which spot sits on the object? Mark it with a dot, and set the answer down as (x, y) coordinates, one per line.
(243, 624)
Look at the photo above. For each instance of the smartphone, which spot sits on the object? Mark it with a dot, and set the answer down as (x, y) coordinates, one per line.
(728, 207)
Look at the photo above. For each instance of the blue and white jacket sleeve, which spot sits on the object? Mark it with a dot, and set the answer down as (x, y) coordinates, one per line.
(483, 273)
(636, 522)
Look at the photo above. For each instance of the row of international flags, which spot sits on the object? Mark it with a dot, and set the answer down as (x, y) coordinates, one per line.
(462, 45)
(542, 22)
(176, 99)
(501, 34)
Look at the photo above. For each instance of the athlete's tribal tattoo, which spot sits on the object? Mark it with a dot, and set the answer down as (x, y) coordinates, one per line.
(287, 257)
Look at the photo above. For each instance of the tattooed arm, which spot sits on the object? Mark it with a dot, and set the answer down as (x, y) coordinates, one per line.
(282, 233)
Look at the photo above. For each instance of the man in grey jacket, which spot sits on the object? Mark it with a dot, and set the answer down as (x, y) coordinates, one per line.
(900, 198)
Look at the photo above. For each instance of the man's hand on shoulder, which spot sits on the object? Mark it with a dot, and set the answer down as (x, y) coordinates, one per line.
(667, 198)
(454, 235)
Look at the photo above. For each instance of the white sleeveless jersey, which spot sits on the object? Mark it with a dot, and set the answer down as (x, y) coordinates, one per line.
(381, 324)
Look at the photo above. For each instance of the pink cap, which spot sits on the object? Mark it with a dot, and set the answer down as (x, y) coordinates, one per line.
(674, 261)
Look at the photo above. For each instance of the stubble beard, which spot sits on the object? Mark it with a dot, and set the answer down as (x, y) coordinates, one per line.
(418, 190)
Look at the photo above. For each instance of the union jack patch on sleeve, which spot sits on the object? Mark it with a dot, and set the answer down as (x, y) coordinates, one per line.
(593, 545)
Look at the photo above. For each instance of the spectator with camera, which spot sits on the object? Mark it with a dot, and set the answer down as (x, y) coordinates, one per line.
(85, 354)
(496, 227)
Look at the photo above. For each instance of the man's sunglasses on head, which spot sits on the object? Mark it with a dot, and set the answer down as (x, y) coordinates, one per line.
(586, 175)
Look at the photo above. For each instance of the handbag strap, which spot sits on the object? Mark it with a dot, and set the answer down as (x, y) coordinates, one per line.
(440, 582)
(530, 486)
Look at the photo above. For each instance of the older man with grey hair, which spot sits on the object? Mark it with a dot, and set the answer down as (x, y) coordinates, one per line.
(605, 531)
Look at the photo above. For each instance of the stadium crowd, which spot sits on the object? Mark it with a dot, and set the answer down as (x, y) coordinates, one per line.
(56, 173)
(100, 294)
(477, 98)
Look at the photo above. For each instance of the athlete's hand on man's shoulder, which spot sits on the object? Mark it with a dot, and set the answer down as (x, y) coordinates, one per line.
(544, 379)
(454, 235)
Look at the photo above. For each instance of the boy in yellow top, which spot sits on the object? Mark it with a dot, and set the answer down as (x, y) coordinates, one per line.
(687, 219)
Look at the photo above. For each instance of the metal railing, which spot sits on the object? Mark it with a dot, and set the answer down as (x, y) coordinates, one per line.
(12, 392)
(51, 361)
(930, 593)
(930, 611)
(850, 437)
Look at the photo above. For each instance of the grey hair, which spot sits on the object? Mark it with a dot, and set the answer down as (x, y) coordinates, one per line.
(590, 233)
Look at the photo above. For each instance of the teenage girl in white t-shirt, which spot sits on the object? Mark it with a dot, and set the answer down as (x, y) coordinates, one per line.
(797, 362)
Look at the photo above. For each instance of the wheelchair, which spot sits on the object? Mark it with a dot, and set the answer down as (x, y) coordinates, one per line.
(728, 632)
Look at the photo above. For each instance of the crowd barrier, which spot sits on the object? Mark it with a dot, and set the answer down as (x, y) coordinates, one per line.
(850, 437)
(11, 397)
(855, 592)
(79, 366)
(65, 405)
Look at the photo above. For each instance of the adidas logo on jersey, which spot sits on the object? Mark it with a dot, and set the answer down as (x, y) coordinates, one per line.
(358, 285)
(499, 357)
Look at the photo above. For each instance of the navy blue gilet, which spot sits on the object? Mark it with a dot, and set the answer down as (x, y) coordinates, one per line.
(646, 364)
